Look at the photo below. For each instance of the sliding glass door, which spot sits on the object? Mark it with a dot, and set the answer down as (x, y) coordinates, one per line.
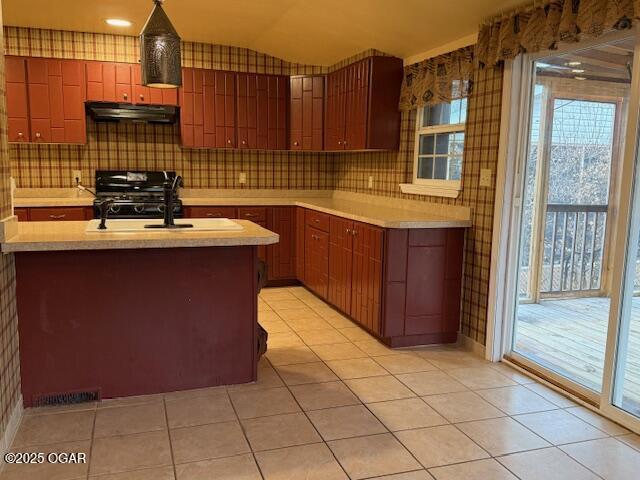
(573, 288)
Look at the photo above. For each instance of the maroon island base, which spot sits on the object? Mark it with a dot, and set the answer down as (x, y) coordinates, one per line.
(135, 322)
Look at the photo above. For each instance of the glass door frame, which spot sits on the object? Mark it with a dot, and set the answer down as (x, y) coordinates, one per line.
(521, 76)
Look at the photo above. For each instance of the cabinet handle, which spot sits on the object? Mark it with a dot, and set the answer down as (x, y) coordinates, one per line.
(345, 143)
(217, 215)
(250, 215)
(348, 230)
(229, 141)
(244, 142)
(20, 135)
(295, 144)
(125, 96)
(57, 217)
(38, 135)
(354, 232)
(339, 142)
(141, 97)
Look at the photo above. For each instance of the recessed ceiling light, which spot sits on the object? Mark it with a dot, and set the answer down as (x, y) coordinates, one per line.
(118, 22)
(577, 70)
(573, 64)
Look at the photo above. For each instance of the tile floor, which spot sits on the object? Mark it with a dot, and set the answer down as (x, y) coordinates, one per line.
(331, 403)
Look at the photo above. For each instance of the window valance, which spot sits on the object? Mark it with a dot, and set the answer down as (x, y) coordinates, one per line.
(438, 79)
(543, 25)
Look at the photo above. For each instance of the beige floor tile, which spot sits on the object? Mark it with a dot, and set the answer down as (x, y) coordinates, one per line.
(279, 340)
(126, 420)
(280, 431)
(129, 452)
(324, 395)
(269, 316)
(267, 378)
(406, 414)
(276, 294)
(417, 475)
(322, 337)
(516, 400)
(500, 436)
(551, 395)
(442, 445)
(377, 349)
(242, 467)
(298, 314)
(54, 428)
(263, 307)
(339, 321)
(547, 464)
(597, 421)
(338, 351)
(377, 455)
(431, 383)
(308, 462)
(188, 412)
(512, 373)
(463, 407)
(198, 392)
(325, 311)
(479, 378)
(304, 373)
(398, 364)
(356, 334)
(345, 422)
(447, 359)
(378, 389)
(356, 368)
(157, 473)
(279, 305)
(609, 458)
(558, 427)
(275, 326)
(138, 399)
(46, 470)
(487, 469)
(309, 325)
(260, 403)
(291, 355)
(204, 442)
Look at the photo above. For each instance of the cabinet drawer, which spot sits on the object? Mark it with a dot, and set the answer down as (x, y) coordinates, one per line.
(211, 212)
(56, 214)
(255, 214)
(318, 220)
(22, 214)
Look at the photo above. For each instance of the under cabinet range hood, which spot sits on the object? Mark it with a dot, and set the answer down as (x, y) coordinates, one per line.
(118, 112)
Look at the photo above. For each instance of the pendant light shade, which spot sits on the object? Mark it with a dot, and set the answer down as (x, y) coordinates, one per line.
(160, 51)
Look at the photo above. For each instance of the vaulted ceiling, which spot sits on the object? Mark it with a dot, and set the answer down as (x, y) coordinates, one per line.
(308, 31)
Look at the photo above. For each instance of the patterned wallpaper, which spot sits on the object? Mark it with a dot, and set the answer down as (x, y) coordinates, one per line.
(9, 358)
(352, 171)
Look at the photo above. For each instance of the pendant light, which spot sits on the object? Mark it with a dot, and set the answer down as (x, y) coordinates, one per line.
(160, 51)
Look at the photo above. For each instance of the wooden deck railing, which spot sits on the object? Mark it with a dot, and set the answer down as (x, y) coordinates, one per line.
(574, 246)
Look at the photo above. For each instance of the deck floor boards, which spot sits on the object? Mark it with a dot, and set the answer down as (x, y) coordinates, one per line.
(569, 336)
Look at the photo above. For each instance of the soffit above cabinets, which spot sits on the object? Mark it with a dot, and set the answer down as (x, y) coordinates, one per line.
(306, 31)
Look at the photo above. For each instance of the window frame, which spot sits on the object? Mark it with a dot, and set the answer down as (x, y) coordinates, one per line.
(434, 187)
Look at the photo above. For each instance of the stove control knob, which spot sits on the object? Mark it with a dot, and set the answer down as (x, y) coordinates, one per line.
(161, 208)
(114, 208)
(138, 208)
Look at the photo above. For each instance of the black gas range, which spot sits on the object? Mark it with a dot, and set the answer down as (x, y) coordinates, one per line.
(134, 194)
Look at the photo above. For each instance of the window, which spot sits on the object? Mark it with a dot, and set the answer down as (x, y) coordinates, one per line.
(437, 167)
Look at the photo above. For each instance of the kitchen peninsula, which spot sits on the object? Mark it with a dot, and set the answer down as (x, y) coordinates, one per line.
(118, 314)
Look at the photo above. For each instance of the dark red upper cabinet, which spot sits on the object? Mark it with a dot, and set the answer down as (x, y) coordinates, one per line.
(207, 103)
(362, 105)
(17, 99)
(262, 111)
(306, 113)
(56, 100)
(109, 82)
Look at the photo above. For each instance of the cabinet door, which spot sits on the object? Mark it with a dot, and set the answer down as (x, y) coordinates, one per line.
(281, 256)
(296, 109)
(317, 260)
(192, 107)
(17, 103)
(56, 100)
(366, 288)
(101, 81)
(300, 252)
(225, 113)
(210, 212)
(57, 214)
(247, 109)
(336, 114)
(151, 96)
(340, 263)
(124, 83)
(357, 99)
(272, 94)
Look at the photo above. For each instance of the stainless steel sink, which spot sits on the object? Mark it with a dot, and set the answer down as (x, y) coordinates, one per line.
(138, 225)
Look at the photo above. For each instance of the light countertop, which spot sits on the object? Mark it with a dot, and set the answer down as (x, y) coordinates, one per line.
(55, 236)
(381, 211)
